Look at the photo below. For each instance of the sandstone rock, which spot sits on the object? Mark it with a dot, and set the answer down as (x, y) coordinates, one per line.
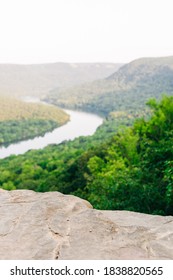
(56, 226)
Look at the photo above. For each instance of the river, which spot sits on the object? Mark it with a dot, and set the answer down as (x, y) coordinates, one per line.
(80, 124)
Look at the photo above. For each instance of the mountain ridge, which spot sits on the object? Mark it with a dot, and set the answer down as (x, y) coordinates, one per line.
(125, 90)
(39, 79)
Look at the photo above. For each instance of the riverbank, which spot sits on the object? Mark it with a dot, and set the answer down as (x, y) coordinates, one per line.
(80, 124)
(20, 120)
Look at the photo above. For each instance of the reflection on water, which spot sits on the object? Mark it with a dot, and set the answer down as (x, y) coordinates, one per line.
(80, 124)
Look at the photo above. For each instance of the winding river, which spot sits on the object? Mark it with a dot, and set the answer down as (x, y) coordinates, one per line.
(80, 124)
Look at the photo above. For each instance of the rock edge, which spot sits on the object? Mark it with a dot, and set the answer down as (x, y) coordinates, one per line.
(53, 226)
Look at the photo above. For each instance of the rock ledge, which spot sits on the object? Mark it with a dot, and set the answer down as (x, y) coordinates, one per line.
(55, 226)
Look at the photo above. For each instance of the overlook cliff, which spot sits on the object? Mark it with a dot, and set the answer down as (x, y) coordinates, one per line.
(56, 226)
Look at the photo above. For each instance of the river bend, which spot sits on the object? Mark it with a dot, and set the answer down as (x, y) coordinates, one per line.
(80, 124)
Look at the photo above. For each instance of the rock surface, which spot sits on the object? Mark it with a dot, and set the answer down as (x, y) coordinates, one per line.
(56, 226)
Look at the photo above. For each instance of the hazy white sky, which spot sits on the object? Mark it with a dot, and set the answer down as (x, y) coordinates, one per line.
(36, 31)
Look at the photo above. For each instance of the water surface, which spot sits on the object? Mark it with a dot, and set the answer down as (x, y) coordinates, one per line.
(80, 124)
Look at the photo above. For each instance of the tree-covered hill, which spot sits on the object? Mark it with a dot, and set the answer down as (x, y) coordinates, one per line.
(131, 170)
(127, 90)
(140, 68)
(20, 120)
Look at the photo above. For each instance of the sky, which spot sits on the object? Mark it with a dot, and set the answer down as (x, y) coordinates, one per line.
(43, 31)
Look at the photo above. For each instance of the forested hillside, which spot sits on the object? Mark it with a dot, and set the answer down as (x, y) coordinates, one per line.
(39, 79)
(127, 90)
(131, 170)
(20, 120)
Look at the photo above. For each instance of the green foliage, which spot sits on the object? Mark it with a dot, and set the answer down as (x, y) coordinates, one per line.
(130, 170)
(20, 120)
(12, 131)
(168, 178)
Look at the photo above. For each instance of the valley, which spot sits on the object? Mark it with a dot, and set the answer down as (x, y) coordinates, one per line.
(126, 90)
(127, 163)
(86, 139)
